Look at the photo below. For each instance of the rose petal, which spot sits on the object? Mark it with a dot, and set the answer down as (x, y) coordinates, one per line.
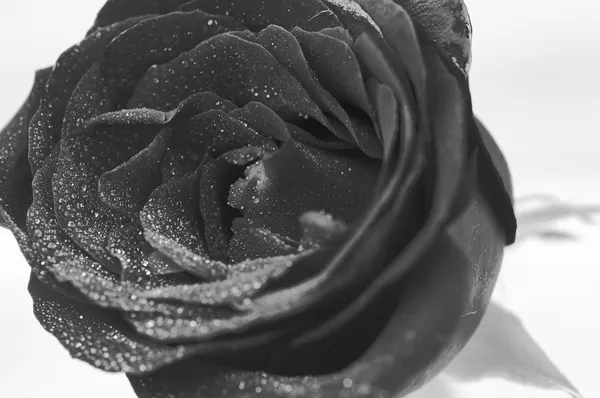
(263, 120)
(244, 351)
(398, 30)
(311, 15)
(374, 53)
(104, 290)
(91, 97)
(141, 266)
(236, 287)
(61, 260)
(445, 22)
(318, 137)
(102, 338)
(217, 176)
(119, 10)
(252, 243)
(335, 65)
(179, 158)
(467, 189)
(401, 36)
(244, 280)
(97, 336)
(227, 65)
(71, 66)
(416, 327)
(375, 61)
(354, 18)
(15, 174)
(180, 327)
(242, 156)
(156, 41)
(172, 211)
(43, 243)
(343, 78)
(197, 264)
(160, 264)
(266, 122)
(129, 246)
(182, 158)
(215, 132)
(364, 133)
(83, 159)
(46, 236)
(339, 34)
(346, 267)
(131, 116)
(199, 103)
(494, 178)
(385, 111)
(129, 297)
(126, 188)
(286, 49)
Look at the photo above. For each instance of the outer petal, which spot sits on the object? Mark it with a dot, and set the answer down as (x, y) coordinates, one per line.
(71, 66)
(15, 175)
(493, 178)
(90, 332)
(445, 22)
(258, 14)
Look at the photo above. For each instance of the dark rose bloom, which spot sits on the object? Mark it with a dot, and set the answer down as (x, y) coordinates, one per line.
(280, 198)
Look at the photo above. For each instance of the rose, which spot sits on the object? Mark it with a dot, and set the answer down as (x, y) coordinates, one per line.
(291, 198)
(371, 301)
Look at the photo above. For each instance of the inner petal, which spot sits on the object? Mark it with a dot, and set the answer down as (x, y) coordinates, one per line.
(298, 178)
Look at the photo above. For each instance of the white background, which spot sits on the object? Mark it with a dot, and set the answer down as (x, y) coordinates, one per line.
(535, 83)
